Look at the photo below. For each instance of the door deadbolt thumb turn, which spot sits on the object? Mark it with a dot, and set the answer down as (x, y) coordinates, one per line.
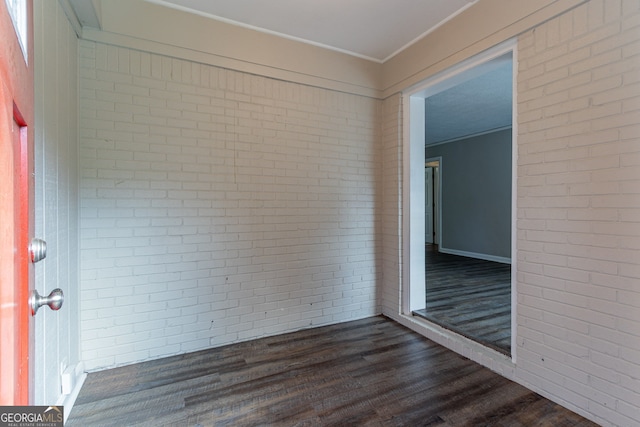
(54, 300)
(37, 250)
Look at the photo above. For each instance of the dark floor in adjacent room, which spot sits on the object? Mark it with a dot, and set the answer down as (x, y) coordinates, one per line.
(469, 296)
(371, 372)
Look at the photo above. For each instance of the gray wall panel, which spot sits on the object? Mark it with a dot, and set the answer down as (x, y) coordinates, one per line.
(476, 194)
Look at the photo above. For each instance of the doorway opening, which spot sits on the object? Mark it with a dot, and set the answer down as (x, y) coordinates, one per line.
(432, 201)
(460, 274)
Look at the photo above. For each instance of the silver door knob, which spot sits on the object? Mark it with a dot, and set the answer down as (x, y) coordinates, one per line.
(54, 300)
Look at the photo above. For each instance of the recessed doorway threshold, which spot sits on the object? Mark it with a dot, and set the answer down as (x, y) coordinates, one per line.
(469, 296)
(502, 346)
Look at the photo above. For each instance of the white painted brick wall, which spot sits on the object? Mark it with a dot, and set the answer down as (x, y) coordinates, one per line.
(579, 211)
(578, 226)
(218, 206)
(392, 202)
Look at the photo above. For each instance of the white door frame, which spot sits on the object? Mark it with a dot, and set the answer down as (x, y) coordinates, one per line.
(413, 289)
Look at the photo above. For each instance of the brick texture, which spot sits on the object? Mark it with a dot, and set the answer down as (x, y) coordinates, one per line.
(579, 209)
(392, 204)
(218, 206)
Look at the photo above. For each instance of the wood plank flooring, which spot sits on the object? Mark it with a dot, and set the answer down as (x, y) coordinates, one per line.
(469, 296)
(370, 372)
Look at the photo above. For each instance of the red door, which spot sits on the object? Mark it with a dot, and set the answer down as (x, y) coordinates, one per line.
(16, 204)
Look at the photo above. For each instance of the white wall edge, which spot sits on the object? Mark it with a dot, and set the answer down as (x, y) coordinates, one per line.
(514, 205)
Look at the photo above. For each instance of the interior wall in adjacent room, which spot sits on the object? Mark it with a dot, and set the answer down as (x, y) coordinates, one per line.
(476, 195)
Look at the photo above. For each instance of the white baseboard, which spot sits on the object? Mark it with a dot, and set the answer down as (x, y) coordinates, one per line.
(68, 400)
(486, 257)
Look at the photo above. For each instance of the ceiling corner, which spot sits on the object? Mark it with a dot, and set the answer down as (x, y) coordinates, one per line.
(83, 13)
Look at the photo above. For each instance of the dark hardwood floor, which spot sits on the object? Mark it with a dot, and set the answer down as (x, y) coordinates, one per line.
(469, 296)
(370, 372)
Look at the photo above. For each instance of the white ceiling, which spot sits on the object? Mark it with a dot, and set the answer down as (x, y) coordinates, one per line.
(371, 29)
